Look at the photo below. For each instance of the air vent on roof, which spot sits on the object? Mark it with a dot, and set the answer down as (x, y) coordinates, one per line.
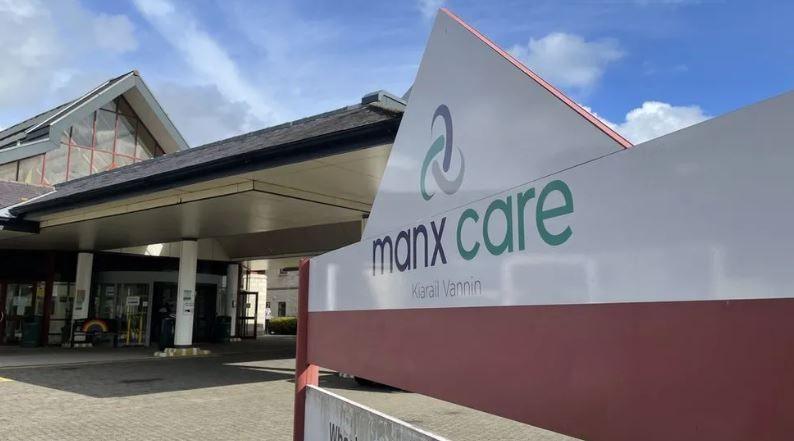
(384, 100)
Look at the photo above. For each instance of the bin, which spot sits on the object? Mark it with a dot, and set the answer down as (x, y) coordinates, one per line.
(31, 331)
(167, 333)
(222, 329)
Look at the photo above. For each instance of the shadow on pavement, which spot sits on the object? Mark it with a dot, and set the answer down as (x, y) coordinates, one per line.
(333, 381)
(250, 362)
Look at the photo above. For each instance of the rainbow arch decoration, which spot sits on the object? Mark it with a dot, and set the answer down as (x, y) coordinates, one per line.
(95, 325)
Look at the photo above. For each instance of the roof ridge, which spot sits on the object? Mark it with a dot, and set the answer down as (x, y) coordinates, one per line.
(276, 127)
(58, 107)
(31, 124)
(193, 150)
(84, 98)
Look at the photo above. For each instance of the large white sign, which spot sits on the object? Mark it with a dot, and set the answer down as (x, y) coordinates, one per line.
(335, 418)
(497, 195)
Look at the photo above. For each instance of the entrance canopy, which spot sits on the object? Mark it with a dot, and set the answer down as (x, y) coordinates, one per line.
(315, 177)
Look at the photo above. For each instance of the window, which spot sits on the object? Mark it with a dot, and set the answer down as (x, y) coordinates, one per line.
(110, 106)
(132, 309)
(105, 130)
(31, 170)
(121, 161)
(83, 132)
(104, 301)
(79, 162)
(125, 138)
(102, 161)
(146, 146)
(55, 165)
(8, 171)
(111, 137)
(60, 309)
(282, 309)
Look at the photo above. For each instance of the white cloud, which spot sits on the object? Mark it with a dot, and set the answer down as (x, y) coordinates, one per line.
(203, 114)
(155, 7)
(209, 61)
(568, 60)
(428, 8)
(30, 49)
(115, 33)
(317, 62)
(45, 44)
(654, 119)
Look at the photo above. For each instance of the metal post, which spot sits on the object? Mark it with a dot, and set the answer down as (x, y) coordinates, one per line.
(305, 373)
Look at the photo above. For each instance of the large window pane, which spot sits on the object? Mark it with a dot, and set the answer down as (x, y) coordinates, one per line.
(110, 106)
(121, 161)
(8, 171)
(83, 132)
(55, 165)
(146, 144)
(62, 299)
(124, 107)
(125, 143)
(79, 162)
(105, 301)
(133, 301)
(30, 170)
(102, 161)
(105, 130)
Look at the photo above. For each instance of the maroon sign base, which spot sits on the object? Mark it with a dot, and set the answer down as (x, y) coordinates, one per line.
(713, 370)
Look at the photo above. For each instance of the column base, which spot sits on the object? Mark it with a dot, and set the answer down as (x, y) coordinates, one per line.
(77, 345)
(182, 352)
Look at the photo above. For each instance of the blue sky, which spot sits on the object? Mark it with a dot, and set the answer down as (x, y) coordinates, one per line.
(225, 67)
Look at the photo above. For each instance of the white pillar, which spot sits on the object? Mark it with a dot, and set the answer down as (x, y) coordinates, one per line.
(232, 286)
(186, 293)
(82, 291)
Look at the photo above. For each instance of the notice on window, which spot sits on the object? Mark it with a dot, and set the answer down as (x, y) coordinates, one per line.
(133, 300)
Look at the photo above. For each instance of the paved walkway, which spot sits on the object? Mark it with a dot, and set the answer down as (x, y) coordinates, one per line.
(16, 356)
(243, 392)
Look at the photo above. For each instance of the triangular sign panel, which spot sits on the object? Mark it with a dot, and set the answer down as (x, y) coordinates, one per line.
(478, 122)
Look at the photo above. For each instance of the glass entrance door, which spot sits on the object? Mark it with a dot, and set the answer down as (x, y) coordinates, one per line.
(19, 306)
(204, 312)
(163, 306)
(247, 305)
(61, 312)
(133, 309)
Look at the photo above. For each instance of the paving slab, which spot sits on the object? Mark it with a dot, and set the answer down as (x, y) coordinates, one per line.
(241, 392)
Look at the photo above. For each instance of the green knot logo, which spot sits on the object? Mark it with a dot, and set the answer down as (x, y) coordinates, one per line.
(441, 144)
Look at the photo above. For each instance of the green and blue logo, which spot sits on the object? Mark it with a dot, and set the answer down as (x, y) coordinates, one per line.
(442, 144)
(423, 244)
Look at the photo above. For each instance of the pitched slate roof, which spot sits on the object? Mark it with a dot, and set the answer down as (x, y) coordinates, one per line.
(38, 126)
(319, 135)
(15, 192)
(11, 135)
